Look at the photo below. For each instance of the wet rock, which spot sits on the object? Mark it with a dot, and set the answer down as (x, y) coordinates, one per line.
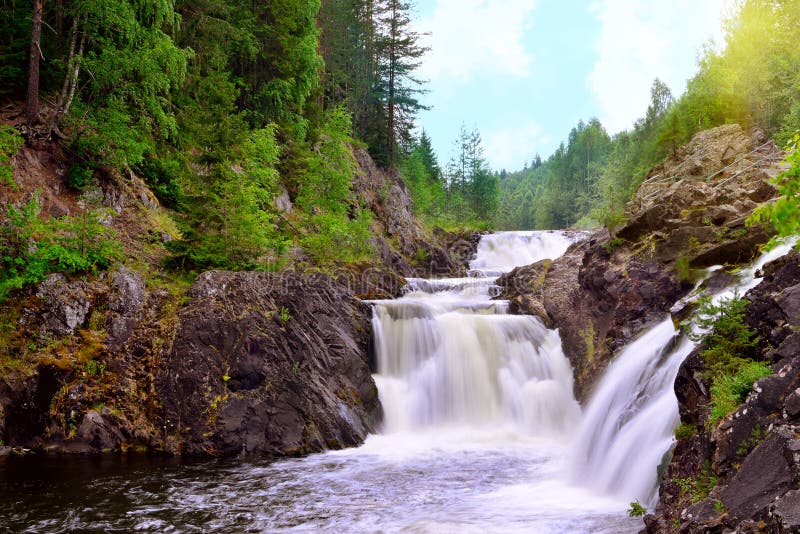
(98, 432)
(269, 363)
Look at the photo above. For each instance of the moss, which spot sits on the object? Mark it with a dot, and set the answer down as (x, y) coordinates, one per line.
(682, 269)
(699, 487)
(587, 335)
(757, 435)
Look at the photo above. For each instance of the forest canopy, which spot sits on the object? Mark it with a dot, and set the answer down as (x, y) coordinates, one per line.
(223, 106)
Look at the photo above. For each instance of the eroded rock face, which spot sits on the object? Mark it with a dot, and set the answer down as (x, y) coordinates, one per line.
(269, 363)
(126, 297)
(413, 252)
(695, 204)
(604, 291)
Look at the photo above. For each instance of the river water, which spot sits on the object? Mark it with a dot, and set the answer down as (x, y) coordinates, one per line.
(482, 434)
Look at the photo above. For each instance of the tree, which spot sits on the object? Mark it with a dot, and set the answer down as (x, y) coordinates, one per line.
(399, 54)
(32, 101)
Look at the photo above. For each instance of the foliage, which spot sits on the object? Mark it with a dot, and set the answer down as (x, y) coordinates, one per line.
(729, 347)
(636, 509)
(685, 430)
(32, 247)
(231, 223)
(730, 390)
(338, 228)
(784, 213)
(699, 487)
(613, 244)
(371, 52)
(729, 342)
(10, 143)
(79, 177)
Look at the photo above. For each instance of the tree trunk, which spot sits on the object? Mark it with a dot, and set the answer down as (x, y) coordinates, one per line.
(32, 103)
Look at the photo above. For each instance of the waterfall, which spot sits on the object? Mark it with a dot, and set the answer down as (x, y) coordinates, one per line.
(628, 425)
(447, 354)
(629, 422)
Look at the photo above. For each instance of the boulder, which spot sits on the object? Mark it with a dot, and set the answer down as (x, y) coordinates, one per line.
(786, 513)
(766, 474)
(126, 298)
(65, 305)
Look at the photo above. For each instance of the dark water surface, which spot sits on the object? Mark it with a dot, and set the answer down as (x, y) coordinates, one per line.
(417, 484)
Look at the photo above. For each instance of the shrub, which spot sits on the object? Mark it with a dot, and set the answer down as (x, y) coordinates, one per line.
(636, 509)
(729, 347)
(729, 391)
(79, 177)
(162, 177)
(685, 430)
(10, 143)
(31, 248)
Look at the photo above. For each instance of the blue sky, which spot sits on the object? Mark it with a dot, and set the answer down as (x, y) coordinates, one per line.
(525, 71)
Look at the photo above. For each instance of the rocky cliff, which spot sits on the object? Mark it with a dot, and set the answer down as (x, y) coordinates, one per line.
(690, 214)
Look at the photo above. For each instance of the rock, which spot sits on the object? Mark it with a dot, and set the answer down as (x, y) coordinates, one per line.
(789, 302)
(792, 404)
(126, 297)
(765, 474)
(66, 305)
(283, 202)
(786, 512)
(269, 363)
(98, 432)
(703, 512)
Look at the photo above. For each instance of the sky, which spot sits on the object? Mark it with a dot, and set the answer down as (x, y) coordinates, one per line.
(523, 72)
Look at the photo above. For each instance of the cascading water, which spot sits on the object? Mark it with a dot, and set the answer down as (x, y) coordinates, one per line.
(449, 355)
(629, 423)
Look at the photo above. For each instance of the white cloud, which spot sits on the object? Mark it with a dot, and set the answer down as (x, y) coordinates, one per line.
(641, 40)
(509, 148)
(476, 37)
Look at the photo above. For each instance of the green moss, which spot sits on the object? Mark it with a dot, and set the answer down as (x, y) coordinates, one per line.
(683, 270)
(699, 487)
(685, 430)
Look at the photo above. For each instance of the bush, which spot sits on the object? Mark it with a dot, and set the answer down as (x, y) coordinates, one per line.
(162, 177)
(31, 248)
(339, 228)
(636, 509)
(729, 391)
(10, 143)
(79, 177)
(685, 430)
(730, 346)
